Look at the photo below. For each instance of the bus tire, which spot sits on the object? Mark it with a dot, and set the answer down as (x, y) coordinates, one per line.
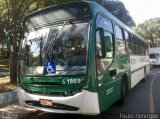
(123, 92)
(144, 79)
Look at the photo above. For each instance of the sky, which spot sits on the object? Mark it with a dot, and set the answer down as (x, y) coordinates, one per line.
(141, 10)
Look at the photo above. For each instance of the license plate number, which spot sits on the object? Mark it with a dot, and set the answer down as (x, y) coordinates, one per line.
(45, 102)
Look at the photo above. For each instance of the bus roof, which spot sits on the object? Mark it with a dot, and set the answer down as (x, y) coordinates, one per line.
(154, 50)
(57, 13)
(94, 7)
(55, 7)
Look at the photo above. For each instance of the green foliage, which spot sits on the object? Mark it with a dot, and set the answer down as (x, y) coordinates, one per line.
(150, 31)
(3, 21)
(118, 9)
(12, 13)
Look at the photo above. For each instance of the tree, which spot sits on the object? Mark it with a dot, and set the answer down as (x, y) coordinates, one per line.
(117, 8)
(3, 20)
(150, 31)
(13, 14)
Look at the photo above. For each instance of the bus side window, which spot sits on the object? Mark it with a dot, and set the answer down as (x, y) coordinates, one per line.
(106, 25)
(133, 45)
(120, 41)
(128, 44)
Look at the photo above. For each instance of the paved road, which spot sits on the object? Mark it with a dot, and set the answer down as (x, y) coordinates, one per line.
(144, 98)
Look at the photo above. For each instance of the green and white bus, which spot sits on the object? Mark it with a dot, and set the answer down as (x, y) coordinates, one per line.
(78, 58)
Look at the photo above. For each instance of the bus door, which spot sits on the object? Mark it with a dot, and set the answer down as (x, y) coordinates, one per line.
(106, 70)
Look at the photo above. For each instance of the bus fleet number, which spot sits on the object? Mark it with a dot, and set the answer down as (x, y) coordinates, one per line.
(71, 81)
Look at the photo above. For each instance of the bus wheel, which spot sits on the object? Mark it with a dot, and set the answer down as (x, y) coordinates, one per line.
(144, 79)
(123, 92)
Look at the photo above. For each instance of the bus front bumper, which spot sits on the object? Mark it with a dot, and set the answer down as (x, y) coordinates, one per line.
(80, 103)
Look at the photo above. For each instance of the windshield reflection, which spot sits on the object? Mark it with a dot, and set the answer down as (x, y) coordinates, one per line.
(68, 49)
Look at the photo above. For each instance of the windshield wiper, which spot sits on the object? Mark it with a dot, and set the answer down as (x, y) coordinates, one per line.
(57, 34)
(41, 45)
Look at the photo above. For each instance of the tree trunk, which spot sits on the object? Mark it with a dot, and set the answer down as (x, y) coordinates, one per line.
(13, 62)
(13, 71)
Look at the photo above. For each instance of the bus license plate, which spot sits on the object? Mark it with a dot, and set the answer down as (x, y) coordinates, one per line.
(45, 102)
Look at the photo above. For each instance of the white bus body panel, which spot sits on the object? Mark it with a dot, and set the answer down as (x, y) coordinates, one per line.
(140, 66)
(87, 102)
(154, 50)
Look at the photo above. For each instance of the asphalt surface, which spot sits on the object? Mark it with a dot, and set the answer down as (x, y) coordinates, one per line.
(142, 102)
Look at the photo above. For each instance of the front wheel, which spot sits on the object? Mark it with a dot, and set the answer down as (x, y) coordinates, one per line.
(123, 92)
(144, 79)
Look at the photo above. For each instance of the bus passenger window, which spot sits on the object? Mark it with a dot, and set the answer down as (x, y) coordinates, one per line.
(120, 41)
(128, 45)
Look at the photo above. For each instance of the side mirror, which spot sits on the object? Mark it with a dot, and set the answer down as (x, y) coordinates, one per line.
(102, 53)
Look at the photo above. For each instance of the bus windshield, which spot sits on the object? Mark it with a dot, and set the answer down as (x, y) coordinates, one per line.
(154, 56)
(64, 47)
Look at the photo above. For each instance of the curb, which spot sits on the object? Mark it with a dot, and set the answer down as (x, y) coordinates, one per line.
(8, 97)
(2, 74)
